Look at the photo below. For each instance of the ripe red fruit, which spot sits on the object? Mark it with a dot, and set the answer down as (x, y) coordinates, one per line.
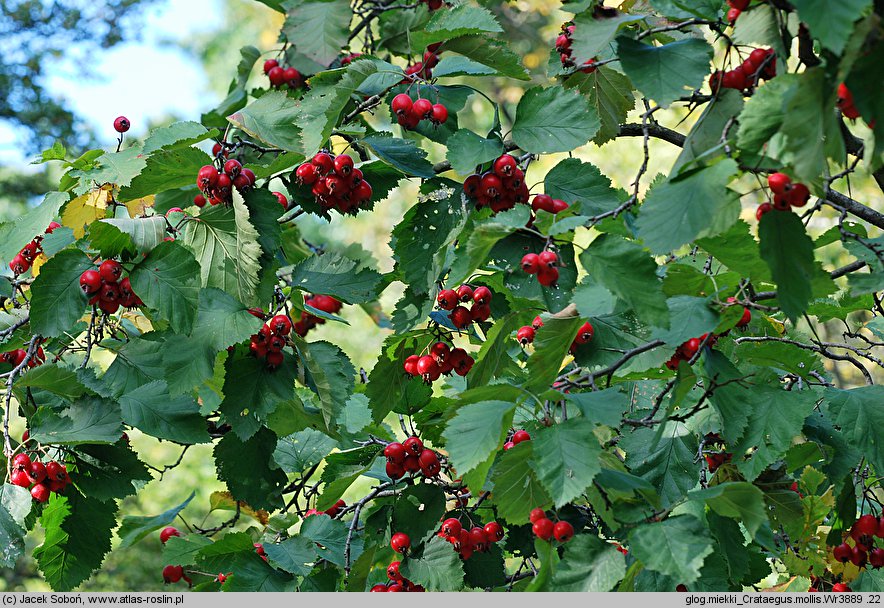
(206, 177)
(168, 532)
(762, 209)
(379, 588)
(779, 182)
(505, 166)
(681, 588)
(121, 124)
(797, 195)
(876, 558)
(859, 556)
(543, 528)
(757, 57)
(20, 478)
(548, 259)
(395, 452)
(543, 202)
(520, 436)
(491, 186)
(482, 295)
(478, 539)
(393, 571)
(508, 446)
(480, 313)
(90, 282)
(401, 104)
(439, 114)
(451, 527)
(400, 543)
(37, 472)
(465, 293)
(745, 319)
(306, 174)
(276, 76)
(410, 365)
(536, 514)
(199, 200)
(866, 525)
(411, 464)
(172, 574)
(460, 317)
(232, 168)
(447, 299)
(40, 492)
(426, 365)
(413, 446)
(547, 276)
(563, 531)
(292, 77)
(584, 334)
(840, 588)
(732, 15)
(842, 552)
(281, 325)
(429, 462)
(343, 165)
(275, 359)
(740, 5)
(283, 200)
(323, 162)
(269, 65)
(559, 205)
(525, 335)
(110, 271)
(493, 531)
(422, 108)
(394, 470)
(395, 588)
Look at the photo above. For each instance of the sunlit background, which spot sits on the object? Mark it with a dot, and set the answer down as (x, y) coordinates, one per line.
(178, 65)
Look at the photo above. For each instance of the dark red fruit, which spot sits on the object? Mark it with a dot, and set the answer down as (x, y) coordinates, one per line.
(493, 531)
(543, 528)
(413, 446)
(400, 543)
(536, 514)
(447, 299)
(90, 282)
(525, 335)
(172, 574)
(121, 124)
(842, 552)
(110, 271)
(401, 104)
(779, 182)
(520, 436)
(395, 452)
(563, 531)
(482, 295)
(505, 166)
(168, 532)
(460, 317)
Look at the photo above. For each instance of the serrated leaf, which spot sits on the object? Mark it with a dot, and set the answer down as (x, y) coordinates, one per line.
(293, 555)
(335, 275)
(450, 66)
(831, 24)
(666, 462)
(630, 273)
(166, 280)
(166, 170)
(87, 208)
(299, 451)
(438, 567)
(273, 119)
(858, 413)
(553, 120)
(15, 505)
(342, 469)
(152, 410)
(488, 51)
(689, 317)
(16, 234)
(78, 533)
(145, 232)
(331, 375)
(582, 184)
(515, 485)
(667, 72)
(57, 301)
(110, 168)
(675, 547)
(176, 135)
(595, 36)
(55, 379)
(736, 499)
(551, 345)
(763, 113)
(403, 154)
(466, 150)
(457, 20)
(417, 512)
(477, 431)
(566, 458)
(221, 320)
(610, 93)
(331, 534)
(788, 251)
(493, 359)
(87, 420)
(318, 28)
(677, 211)
(249, 470)
(589, 565)
(108, 472)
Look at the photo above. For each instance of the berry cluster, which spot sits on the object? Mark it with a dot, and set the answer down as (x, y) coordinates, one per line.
(397, 582)
(785, 194)
(499, 188)
(516, 438)
(216, 185)
(410, 113)
(280, 75)
(411, 456)
(761, 63)
(563, 48)
(476, 539)
(526, 333)
(544, 528)
(544, 202)
(308, 321)
(17, 356)
(41, 478)
(687, 350)
(442, 360)
(423, 69)
(845, 102)
(543, 265)
(736, 7)
(460, 316)
(863, 532)
(335, 182)
(106, 288)
(270, 340)
(24, 259)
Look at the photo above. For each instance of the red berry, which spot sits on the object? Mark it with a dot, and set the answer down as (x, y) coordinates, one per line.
(413, 446)
(757, 57)
(779, 182)
(168, 532)
(40, 492)
(401, 104)
(20, 478)
(394, 470)
(536, 515)
(842, 552)
(429, 462)
(172, 574)
(505, 166)
(479, 313)
(859, 556)
(491, 186)
(482, 295)
(121, 124)
(400, 543)
(563, 531)
(451, 527)
(19, 264)
(427, 366)
(866, 525)
(206, 177)
(422, 108)
(37, 472)
(543, 528)
(465, 293)
(447, 299)
(520, 436)
(393, 571)
(232, 168)
(199, 200)
(395, 452)
(90, 282)
(478, 539)
(732, 15)
(584, 334)
(439, 115)
(762, 209)
(876, 558)
(745, 319)
(471, 185)
(410, 365)
(797, 195)
(280, 325)
(547, 276)
(276, 76)
(292, 77)
(379, 588)
(840, 588)
(525, 335)
(343, 165)
(493, 531)
(740, 5)
(269, 65)
(460, 317)
(681, 588)
(548, 258)
(306, 174)
(543, 202)
(323, 163)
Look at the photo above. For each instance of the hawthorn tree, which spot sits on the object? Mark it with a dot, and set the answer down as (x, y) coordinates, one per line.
(584, 387)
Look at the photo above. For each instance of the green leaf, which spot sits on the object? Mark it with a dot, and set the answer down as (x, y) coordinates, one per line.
(831, 24)
(551, 345)
(78, 534)
(516, 487)
(167, 281)
(493, 359)
(484, 235)
(450, 66)
(685, 9)
(689, 317)
(16, 234)
(611, 95)
(273, 119)
(334, 275)
(566, 458)
(225, 244)
(738, 500)
(88, 420)
(477, 431)
(417, 512)
(331, 376)
(667, 72)
(677, 211)
(317, 28)
(604, 407)
(760, 27)
(629, 272)
(437, 568)
(145, 232)
(737, 249)
(15, 505)
(589, 565)
(294, 555)
(583, 185)
(403, 154)
(594, 36)
(553, 120)
(466, 150)
(108, 472)
(57, 301)
(455, 21)
(488, 51)
(331, 534)
(859, 414)
(151, 410)
(221, 321)
(252, 391)
(55, 379)
(249, 470)
(763, 113)
(705, 137)
(166, 170)
(666, 462)
(388, 387)
(118, 168)
(729, 399)
(788, 252)
(676, 547)
(176, 135)
(299, 451)
(342, 469)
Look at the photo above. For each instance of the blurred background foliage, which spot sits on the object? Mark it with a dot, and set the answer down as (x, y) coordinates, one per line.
(82, 27)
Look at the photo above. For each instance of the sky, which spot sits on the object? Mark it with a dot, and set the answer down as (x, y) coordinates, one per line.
(152, 66)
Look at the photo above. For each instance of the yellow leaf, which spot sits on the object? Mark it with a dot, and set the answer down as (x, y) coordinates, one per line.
(85, 209)
(223, 501)
(38, 262)
(139, 321)
(140, 205)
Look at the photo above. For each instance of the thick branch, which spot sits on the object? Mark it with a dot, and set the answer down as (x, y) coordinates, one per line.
(654, 130)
